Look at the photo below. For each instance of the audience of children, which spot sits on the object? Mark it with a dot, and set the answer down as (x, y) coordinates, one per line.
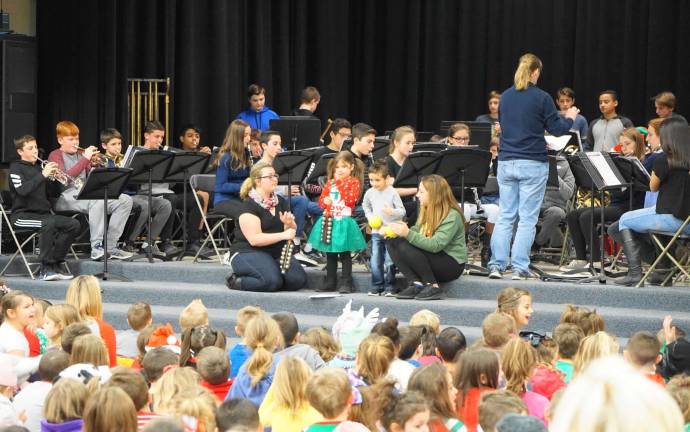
(370, 374)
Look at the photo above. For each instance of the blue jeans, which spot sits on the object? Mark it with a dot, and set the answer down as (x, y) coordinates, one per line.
(382, 269)
(521, 184)
(646, 219)
(300, 207)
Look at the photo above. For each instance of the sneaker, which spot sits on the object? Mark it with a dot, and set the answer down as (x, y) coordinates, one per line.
(48, 274)
(375, 292)
(305, 259)
(581, 265)
(155, 251)
(522, 275)
(62, 271)
(495, 272)
(410, 292)
(119, 254)
(129, 246)
(169, 249)
(429, 292)
(389, 294)
(97, 251)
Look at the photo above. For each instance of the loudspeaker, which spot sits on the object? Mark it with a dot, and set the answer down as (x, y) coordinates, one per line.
(18, 66)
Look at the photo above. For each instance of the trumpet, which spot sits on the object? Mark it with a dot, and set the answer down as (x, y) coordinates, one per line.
(62, 177)
(98, 159)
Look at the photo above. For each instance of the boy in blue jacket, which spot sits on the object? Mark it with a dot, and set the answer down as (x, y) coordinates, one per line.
(257, 115)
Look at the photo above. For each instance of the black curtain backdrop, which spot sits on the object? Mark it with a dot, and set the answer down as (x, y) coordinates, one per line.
(384, 62)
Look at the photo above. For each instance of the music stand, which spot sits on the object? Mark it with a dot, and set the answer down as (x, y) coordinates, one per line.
(103, 183)
(320, 169)
(588, 169)
(149, 166)
(465, 167)
(381, 148)
(416, 166)
(292, 167)
(480, 132)
(300, 131)
(184, 165)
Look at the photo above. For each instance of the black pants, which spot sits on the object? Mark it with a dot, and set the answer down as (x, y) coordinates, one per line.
(193, 217)
(332, 264)
(580, 224)
(57, 233)
(260, 272)
(230, 208)
(422, 266)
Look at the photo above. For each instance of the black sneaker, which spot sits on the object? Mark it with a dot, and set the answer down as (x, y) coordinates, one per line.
(233, 282)
(429, 292)
(408, 293)
(375, 291)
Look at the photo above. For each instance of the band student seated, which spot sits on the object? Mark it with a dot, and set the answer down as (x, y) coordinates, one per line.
(190, 136)
(154, 132)
(433, 251)
(671, 178)
(77, 165)
(341, 130)
(492, 116)
(300, 206)
(402, 142)
(264, 227)
(232, 165)
(309, 101)
(111, 141)
(553, 207)
(526, 112)
(459, 135)
(31, 209)
(580, 220)
(257, 115)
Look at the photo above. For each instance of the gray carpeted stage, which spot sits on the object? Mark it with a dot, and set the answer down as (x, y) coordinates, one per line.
(169, 286)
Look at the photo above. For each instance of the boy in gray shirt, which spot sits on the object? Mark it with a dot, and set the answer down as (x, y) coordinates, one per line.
(382, 206)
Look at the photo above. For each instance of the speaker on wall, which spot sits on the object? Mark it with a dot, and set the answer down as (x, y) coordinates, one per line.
(18, 87)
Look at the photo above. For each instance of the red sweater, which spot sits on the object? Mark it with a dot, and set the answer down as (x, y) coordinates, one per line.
(219, 390)
(34, 342)
(108, 335)
(469, 410)
(547, 381)
(349, 192)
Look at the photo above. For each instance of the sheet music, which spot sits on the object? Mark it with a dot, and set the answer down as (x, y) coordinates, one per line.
(603, 168)
(639, 165)
(127, 160)
(556, 143)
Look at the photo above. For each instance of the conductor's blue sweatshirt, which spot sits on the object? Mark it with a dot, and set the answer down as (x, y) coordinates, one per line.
(524, 115)
(258, 119)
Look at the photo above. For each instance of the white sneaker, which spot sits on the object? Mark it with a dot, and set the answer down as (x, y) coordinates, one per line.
(97, 251)
(581, 265)
(303, 258)
(119, 254)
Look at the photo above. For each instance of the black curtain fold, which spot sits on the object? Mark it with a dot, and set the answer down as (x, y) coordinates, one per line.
(385, 62)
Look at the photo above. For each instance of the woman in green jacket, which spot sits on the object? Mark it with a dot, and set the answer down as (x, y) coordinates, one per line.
(433, 250)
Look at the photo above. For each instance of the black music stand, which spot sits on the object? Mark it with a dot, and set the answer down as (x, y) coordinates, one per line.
(587, 176)
(149, 166)
(101, 184)
(465, 167)
(320, 169)
(183, 166)
(480, 132)
(300, 131)
(416, 166)
(381, 148)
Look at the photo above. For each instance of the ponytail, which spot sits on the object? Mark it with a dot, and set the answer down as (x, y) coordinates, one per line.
(262, 336)
(254, 176)
(528, 64)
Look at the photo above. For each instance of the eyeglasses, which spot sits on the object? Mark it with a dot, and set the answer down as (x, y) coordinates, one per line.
(272, 177)
(461, 139)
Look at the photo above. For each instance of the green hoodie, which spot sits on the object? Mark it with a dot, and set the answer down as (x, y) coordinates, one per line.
(449, 237)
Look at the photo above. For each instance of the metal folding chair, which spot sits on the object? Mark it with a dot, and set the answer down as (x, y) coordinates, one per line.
(32, 233)
(676, 237)
(207, 182)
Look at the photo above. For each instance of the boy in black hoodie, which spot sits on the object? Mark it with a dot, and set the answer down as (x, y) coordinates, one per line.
(31, 209)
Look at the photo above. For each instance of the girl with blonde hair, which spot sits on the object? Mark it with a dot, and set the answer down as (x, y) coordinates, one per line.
(175, 382)
(402, 141)
(286, 407)
(89, 349)
(434, 249)
(516, 302)
(84, 293)
(262, 337)
(374, 357)
(64, 406)
(199, 403)
(18, 313)
(322, 341)
(261, 232)
(57, 317)
(518, 362)
(110, 410)
(592, 347)
(526, 111)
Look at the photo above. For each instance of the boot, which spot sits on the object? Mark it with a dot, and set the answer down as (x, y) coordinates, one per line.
(632, 251)
(486, 250)
(346, 286)
(331, 280)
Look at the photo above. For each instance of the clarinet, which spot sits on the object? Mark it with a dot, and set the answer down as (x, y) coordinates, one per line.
(477, 201)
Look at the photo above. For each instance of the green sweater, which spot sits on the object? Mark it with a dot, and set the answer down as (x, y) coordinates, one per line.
(449, 237)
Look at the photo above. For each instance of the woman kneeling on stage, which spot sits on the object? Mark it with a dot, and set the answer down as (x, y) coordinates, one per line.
(433, 250)
(257, 258)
